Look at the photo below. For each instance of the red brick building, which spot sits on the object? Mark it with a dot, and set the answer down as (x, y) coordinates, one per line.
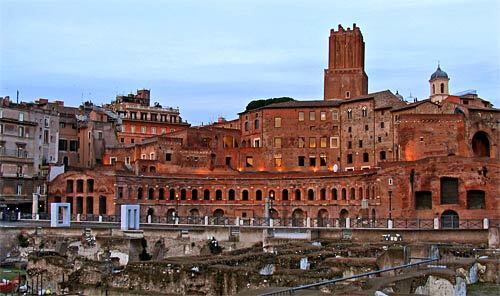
(357, 155)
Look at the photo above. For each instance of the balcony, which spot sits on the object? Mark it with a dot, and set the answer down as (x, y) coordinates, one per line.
(16, 153)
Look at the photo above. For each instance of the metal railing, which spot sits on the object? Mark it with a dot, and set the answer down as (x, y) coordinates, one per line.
(339, 223)
(290, 291)
(19, 153)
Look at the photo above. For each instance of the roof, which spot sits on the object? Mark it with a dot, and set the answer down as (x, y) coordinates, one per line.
(412, 105)
(326, 103)
(439, 74)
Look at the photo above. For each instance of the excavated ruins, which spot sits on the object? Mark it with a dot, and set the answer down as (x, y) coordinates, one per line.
(131, 263)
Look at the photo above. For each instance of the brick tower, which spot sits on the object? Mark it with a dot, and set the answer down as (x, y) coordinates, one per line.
(345, 77)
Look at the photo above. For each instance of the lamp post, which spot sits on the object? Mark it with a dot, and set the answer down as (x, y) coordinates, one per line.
(176, 205)
(390, 204)
(268, 205)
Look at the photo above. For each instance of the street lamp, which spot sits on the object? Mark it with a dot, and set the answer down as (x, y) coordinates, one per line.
(390, 204)
(177, 205)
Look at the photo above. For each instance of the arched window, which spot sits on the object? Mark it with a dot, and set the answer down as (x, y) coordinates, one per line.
(244, 195)
(183, 194)
(258, 195)
(433, 88)
(151, 193)
(367, 195)
(334, 194)
(344, 194)
(364, 111)
(256, 124)
(353, 194)
(218, 194)
(360, 194)
(272, 195)
(102, 205)
(139, 193)
(231, 194)
(322, 194)
(442, 88)
(349, 114)
(284, 194)
(194, 194)
(172, 194)
(297, 194)
(310, 194)
(161, 194)
(206, 194)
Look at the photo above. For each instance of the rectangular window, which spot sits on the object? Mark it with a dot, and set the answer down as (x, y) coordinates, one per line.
(153, 130)
(323, 142)
(335, 130)
(301, 161)
(423, 200)
(45, 136)
(163, 131)
(256, 143)
(449, 190)
(20, 131)
(379, 139)
(21, 116)
(79, 186)
(334, 142)
(349, 158)
(278, 161)
(322, 160)
(143, 129)
(366, 127)
(277, 121)
(73, 145)
(19, 190)
(132, 129)
(63, 145)
(99, 135)
(120, 192)
(152, 156)
(349, 145)
(277, 142)
(112, 160)
(301, 116)
(69, 186)
(382, 125)
(312, 161)
(168, 156)
(312, 115)
(302, 142)
(322, 116)
(360, 144)
(335, 115)
(228, 160)
(122, 140)
(46, 122)
(1, 129)
(127, 160)
(312, 142)
(249, 162)
(62, 125)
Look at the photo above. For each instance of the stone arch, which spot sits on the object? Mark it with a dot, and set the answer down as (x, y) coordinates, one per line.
(284, 194)
(244, 195)
(272, 195)
(183, 194)
(194, 212)
(231, 195)
(161, 194)
(323, 218)
(206, 194)
(218, 194)
(334, 194)
(298, 217)
(343, 215)
(297, 194)
(352, 195)
(273, 214)
(151, 212)
(171, 195)
(360, 193)
(450, 219)
(151, 193)
(322, 194)
(258, 194)
(481, 144)
(344, 194)
(310, 194)
(194, 194)
(140, 193)
(219, 213)
(171, 215)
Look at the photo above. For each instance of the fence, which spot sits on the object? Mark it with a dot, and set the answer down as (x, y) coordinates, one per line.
(398, 223)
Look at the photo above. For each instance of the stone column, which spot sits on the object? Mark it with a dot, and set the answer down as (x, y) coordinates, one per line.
(436, 223)
(34, 207)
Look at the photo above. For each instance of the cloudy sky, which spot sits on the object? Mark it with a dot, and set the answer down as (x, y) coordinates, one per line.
(210, 58)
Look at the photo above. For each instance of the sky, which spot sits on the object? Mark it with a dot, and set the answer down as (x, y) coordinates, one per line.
(210, 58)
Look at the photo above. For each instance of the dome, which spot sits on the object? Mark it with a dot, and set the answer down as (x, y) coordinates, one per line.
(439, 74)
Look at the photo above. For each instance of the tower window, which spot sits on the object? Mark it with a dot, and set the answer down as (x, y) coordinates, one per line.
(442, 88)
(433, 89)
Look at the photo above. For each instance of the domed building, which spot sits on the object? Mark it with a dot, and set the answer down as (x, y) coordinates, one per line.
(439, 85)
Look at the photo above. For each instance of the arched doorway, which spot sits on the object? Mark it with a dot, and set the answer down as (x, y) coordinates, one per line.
(219, 216)
(102, 205)
(194, 216)
(322, 218)
(481, 144)
(273, 214)
(298, 218)
(171, 215)
(151, 212)
(342, 217)
(450, 219)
